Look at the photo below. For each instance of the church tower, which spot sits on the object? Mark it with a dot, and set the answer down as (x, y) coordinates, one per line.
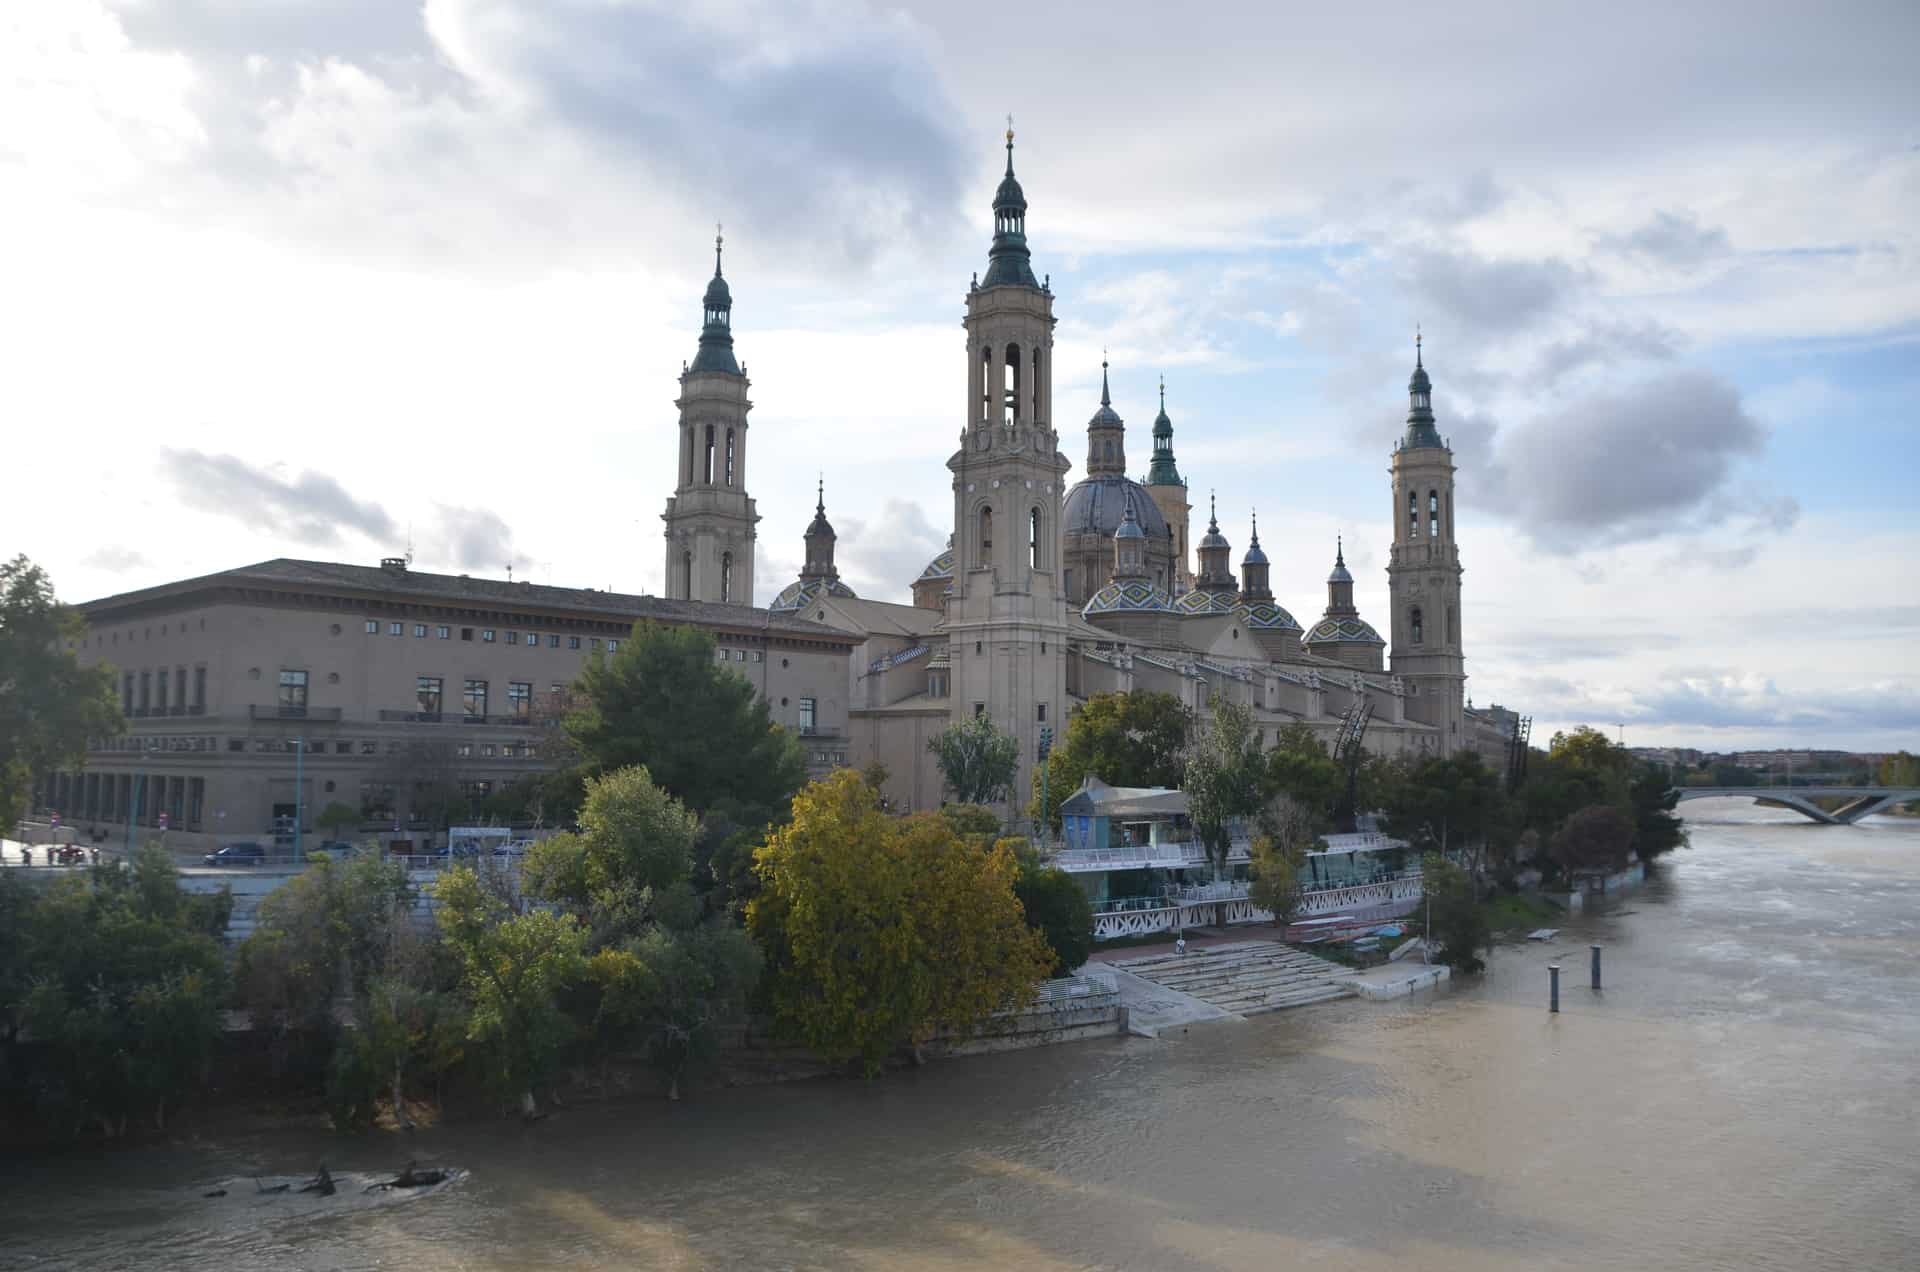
(1169, 492)
(1423, 572)
(710, 518)
(1006, 620)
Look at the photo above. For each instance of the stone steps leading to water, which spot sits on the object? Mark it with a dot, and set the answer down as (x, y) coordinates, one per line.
(1246, 978)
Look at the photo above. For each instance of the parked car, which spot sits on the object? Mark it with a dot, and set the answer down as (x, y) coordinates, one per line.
(338, 849)
(517, 847)
(245, 853)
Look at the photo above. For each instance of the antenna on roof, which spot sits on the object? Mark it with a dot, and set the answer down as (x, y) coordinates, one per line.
(509, 571)
(409, 543)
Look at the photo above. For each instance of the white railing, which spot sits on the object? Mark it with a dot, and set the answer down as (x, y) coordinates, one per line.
(1232, 906)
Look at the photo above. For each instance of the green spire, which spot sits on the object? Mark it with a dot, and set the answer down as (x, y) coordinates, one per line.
(1009, 264)
(1420, 429)
(1162, 471)
(716, 337)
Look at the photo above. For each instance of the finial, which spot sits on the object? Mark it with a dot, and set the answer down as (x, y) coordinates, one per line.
(1416, 344)
(1163, 395)
(1256, 528)
(1009, 145)
(718, 239)
(820, 503)
(1105, 398)
(1339, 551)
(1213, 518)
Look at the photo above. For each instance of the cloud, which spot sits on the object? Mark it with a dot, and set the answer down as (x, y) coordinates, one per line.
(1673, 239)
(467, 539)
(1605, 343)
(1640, 462)
(1487, 296)
(312, 509)
(881, 558)
(116, 559)
(1718, 698)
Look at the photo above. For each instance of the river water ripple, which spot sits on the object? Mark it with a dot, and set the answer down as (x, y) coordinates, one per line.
(1741, 1095)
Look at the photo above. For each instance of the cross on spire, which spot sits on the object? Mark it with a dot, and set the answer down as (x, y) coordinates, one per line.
(718, 240)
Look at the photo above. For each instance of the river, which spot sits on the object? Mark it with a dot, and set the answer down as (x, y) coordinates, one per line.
(1741, 1095)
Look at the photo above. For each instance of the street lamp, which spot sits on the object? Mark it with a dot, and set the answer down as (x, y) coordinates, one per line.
(299, 794)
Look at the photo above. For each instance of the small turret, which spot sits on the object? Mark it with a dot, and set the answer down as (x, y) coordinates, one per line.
(1253, 569)
(1163, 471)
(716, 337)
(1009, 263)
(1216, 566)
(1106, 435)
(1420, 429)
(820, 540)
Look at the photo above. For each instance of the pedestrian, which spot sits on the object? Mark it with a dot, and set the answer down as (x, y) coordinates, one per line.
(1180, 944)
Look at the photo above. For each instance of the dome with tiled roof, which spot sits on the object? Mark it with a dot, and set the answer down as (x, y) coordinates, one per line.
(1332, 631)
(1266, 616)
(1197, 604)
(798, 595)
(1125, 596)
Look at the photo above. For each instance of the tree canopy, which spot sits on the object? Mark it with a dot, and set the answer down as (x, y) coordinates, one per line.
(880, 932)
(976, 759)
(49, 704)
(1298, 766)
(699, 728)
(1125, 739)
(1225, 777)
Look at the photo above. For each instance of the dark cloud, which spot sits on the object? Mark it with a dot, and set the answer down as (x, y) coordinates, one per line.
(116, 559)
(1490, 297)
(1649, 460)
(1606, 343)
(312, 509)
(1675, 239)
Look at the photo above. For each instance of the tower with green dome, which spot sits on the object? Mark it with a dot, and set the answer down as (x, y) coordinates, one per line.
(1168, 490)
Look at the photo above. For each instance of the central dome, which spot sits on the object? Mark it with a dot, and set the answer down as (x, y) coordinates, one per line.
(1099, 504)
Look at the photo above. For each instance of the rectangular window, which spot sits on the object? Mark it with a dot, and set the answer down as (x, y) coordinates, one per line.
(373, 627)
(464, 750)
(573, 642)
(486, 635)
(442, 632)
(613, 646)
(126, 695)
(486, 748)
(426, 694)
(466, 633)
(396, 629)
(979, 709)
(595, 643)
(520, 699)
(756, 656)
(553, 641)
(199, 688)
(293, 690)
(513, 638)
(236, 744)
(806, 715)
(420, 631)
(160, 687)
(369, 748)
(343, 748)
(1042, 709)
(475, 699)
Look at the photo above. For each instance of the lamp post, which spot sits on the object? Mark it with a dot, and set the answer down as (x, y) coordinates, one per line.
(299, 794)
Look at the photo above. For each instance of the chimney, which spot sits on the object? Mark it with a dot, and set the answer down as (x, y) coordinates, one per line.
(394, 565)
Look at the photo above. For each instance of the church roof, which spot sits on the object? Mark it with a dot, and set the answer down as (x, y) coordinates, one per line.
(1100, 504)
(941, 567)
(1125, 597)
(1196, 604)
(798, 595)
(1266, 616)
(1352, 631)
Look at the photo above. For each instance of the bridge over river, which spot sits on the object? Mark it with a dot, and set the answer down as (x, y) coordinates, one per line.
(1856, 801)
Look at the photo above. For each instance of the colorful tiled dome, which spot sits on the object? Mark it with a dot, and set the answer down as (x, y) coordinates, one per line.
(1266, 616)
(1127, 596)
(1198, 603)
(798, 595)
(1330, 631)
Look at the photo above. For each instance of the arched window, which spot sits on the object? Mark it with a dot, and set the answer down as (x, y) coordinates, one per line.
(1039, 407)
(1433, 514)
(708, 469)
(1413, 512)
(1033, 539)
(1419, 628)
(692, 460)
(686, 576)
(986, 384)
(726, 577)
(1010, 385)
(986, 536)
(1453, 631)
(729, 457)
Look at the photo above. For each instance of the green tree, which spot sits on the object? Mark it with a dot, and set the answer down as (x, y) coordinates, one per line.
(1656, 829)
(880, 932)
(1456, 806)
(1276, 879)
(1595, 838)
(1124, 739)
(513, 970)
(49, 704)
(337, 817)
(127, 986)
(1899, 769)
(1298, 766)
(976, 759)
(1224, 775)
(1055, 905)
(662, 972)
(1457, 925)
(701, 731)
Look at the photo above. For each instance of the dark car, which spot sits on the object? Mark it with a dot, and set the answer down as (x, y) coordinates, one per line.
(240, 854)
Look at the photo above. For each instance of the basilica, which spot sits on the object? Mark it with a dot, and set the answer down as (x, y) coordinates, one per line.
(1051, 591)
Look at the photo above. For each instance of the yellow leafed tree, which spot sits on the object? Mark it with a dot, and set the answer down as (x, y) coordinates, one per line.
(882, 932)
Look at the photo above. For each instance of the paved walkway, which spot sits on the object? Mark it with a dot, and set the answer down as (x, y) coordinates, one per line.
(1154, 1009)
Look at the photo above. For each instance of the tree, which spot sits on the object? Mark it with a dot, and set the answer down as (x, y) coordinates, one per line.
(1299, 767)
(976, 759)
(1457, 925)
(1899, 769)
(1276, 879)
(661, 972)
(1454, 805)
(1124, 739)
(1055, 906)
(701, 731)
(513, 969)
(880, 932)
(1595, 838)
(336, 817)
(1223, 778)
(1656, 829)
(49, 704)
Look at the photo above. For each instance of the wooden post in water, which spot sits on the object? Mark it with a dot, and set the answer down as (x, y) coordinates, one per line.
(1596, 965)
(1553, 983)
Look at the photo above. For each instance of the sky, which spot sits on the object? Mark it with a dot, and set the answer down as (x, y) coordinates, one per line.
(336, 278)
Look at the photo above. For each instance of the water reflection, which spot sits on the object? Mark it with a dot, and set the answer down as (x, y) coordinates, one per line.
(1739, 1096)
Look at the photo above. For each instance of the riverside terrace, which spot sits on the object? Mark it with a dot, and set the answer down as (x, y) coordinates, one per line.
(1135, 853)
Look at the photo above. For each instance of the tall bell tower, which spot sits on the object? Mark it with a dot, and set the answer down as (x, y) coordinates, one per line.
(1423, 571)
(710, 518)
(1007, 619)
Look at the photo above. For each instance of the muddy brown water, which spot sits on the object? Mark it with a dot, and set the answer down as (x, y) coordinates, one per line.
(1741, 1095)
